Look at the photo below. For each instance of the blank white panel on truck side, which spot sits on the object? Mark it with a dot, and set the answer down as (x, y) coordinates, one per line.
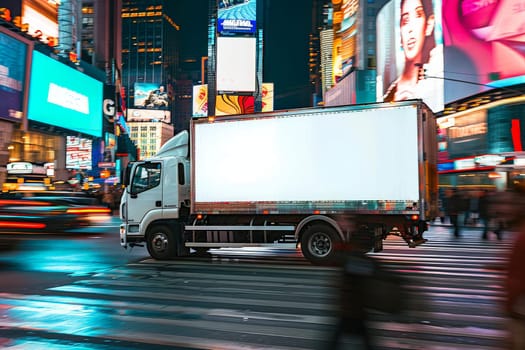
(336, 156)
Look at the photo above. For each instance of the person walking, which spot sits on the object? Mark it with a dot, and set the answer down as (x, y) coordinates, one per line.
(483, 208)
(515, 286)
(455, 207)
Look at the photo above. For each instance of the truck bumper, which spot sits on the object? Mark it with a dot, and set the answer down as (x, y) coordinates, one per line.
(130, 236)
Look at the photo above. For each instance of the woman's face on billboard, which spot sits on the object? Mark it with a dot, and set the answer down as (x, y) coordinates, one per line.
(413, 29)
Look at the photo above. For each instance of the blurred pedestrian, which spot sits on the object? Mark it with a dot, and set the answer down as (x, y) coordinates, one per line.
(365, 284)
(108, 197)
(357, 267)
(515, 286)
(456, 205)
(504, 206)
(483, 208)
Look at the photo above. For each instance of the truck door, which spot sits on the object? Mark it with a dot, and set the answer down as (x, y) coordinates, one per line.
(145, 190)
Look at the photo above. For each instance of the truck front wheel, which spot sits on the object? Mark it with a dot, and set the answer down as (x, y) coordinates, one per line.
(161, 242)
(318, 243)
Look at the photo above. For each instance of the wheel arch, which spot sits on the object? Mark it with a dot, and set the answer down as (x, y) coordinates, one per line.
(314, 219)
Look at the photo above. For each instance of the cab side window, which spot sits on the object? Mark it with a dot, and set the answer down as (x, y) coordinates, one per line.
(146, 176)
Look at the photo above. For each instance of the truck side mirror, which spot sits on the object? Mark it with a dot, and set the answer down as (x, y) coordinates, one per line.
(127, 175)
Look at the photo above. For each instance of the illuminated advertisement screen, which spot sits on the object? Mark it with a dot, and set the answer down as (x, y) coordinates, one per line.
(348, 34)
(236, 64)
(13, 55)
(410, 52)
(40, 25)
(62, 96)
(148, 115)
(233, 104)
(267, 97)
(151, 95)
(78, 153)
(484, 46)
(236, 16)
(200, 100)
(230, 104)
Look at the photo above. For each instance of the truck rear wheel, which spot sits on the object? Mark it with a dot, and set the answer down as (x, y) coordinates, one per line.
(161, 242)
(318, 244)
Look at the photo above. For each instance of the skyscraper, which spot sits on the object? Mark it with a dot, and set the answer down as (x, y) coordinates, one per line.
(149, 44)
(150, 60)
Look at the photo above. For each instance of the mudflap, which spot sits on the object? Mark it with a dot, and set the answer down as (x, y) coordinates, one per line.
(181, 249)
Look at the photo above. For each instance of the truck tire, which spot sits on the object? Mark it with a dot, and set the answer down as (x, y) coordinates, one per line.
(161, 242)
(318, 244)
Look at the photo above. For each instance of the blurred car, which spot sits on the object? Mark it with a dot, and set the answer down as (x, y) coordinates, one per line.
(49, 211)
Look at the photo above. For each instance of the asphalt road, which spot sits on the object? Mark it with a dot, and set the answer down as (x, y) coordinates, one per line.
(40, 260)
(84, 291)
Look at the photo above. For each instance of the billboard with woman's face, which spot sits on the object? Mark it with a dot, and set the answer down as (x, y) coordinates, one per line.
(410, 52)
(484, 45)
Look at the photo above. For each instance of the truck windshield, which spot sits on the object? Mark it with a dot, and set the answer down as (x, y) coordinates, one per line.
(146, 176)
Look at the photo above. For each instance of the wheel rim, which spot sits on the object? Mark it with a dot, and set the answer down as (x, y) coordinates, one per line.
(320, 244)
(159, 242)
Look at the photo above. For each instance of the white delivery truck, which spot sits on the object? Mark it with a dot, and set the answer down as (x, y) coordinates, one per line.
(313, 176)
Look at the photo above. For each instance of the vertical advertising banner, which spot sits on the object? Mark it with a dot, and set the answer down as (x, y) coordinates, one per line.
(410, 52)
(200, 101)
(13, 54)
(484, 43)
(78, 153)
(267, 97)
(110, 148)
(348, 33)
(236, 64)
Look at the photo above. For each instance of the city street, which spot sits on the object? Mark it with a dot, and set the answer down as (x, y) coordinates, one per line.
(84, 291)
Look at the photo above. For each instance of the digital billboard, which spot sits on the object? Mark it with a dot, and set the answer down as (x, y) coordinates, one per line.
(231, 104)
(62, 96)
(346, 31)
(151, 95)
(200, 100)
(148, 115)
(40, 25)
(484, 46)
(78, 153)
(267, 97)
(236, 64)
(410, 52)
(13, 54)
(236, 16)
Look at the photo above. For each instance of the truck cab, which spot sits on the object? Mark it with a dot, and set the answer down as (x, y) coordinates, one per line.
(156, 190)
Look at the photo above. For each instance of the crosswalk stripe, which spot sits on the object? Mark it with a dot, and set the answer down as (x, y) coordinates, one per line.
(280, 301)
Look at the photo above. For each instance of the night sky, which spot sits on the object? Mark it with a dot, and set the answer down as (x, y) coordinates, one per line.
(285, 45)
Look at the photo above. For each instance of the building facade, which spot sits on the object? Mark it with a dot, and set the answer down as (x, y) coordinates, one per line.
(150, 62)
(55, 132)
